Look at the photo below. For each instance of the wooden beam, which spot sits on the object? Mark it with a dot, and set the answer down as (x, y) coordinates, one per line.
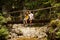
(32, 10)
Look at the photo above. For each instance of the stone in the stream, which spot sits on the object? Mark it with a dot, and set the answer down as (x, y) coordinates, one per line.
(10, 25)
(41, 35)
(15, 26)
(13, 35)
(20, 25)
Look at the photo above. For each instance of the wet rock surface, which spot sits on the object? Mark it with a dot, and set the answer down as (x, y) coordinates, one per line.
(18, 31)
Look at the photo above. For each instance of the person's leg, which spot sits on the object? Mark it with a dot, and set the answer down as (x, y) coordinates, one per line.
(23, 22)
(26, 21)
(30, 22)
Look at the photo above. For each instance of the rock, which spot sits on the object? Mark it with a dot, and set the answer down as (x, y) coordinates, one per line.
(38, 32)
(41, 35)
(15, 26)
(14, 35)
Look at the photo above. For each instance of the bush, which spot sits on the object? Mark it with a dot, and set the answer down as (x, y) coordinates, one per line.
(55, 24)
(3, 29)
(2, 20)
(3, 33)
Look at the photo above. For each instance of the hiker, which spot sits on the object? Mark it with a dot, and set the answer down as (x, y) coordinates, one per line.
(26, 17)
(31, 17)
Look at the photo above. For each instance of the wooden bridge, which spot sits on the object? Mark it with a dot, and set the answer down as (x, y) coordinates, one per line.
(21, 13)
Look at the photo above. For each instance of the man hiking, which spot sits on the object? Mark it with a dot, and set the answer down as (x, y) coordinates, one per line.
(31, 17)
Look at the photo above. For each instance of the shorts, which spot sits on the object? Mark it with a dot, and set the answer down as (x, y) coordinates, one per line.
(30, 18)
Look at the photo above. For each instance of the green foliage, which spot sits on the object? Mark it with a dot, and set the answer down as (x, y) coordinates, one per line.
(36, 4)
(58, 34)
(2, 20)
(51, 30)
(57, 5)
(55, 24)
(3, 31)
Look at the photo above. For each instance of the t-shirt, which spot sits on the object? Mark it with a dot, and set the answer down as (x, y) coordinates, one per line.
(31, 16)
(26, 17)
